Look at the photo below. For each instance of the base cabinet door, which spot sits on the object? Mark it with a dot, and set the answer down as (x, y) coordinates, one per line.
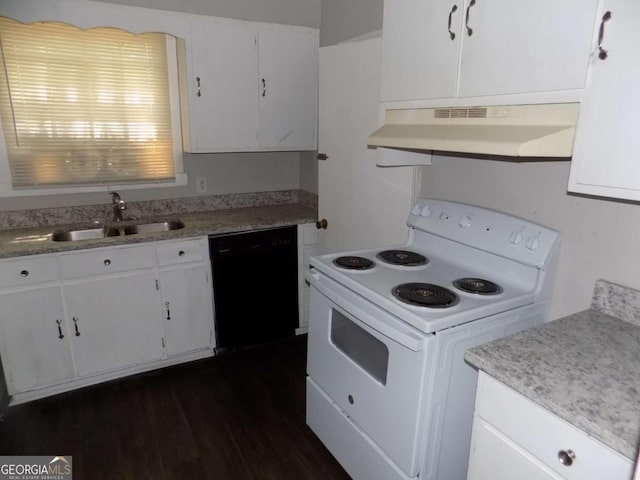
(114, 322)
(34, 339)
(188, 309)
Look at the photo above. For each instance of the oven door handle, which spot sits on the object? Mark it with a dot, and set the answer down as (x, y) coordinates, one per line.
(392, 329)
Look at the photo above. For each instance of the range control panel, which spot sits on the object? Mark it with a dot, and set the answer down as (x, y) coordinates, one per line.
(488, 230)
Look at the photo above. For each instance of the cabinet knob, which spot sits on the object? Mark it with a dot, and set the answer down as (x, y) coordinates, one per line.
(566, 457)
(350, 398)
(24, 273)
(181, 253)
(107, 262)
(322, 224)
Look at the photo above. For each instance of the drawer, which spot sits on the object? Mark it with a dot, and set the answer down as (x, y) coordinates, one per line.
(173, 253)
(545, 435)
(104, 261)
(28, 270)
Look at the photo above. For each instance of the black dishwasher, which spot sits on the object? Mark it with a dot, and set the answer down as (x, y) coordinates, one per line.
(255, 286)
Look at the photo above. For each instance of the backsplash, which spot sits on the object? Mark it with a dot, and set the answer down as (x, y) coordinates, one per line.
(617, 300)
(92, 213)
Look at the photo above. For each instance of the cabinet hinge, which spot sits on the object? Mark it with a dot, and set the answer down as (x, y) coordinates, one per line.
(157, 284)
(163, 342)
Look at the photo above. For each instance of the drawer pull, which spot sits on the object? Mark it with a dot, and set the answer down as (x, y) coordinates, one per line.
(75, 324)
(59, 323)
(107, 262)
(566, 457)
(166, 304)
(350, 397)
(24, 273)
(181, 253)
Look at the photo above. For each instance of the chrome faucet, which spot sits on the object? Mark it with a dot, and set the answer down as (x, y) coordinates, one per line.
(117, 206)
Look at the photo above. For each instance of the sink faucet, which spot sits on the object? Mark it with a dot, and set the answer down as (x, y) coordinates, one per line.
(117, 206)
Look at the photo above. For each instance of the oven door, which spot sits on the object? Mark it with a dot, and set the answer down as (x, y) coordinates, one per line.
(375, 367)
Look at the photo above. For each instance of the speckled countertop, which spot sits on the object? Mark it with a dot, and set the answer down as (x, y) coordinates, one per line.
(585, 368)
(36, 240)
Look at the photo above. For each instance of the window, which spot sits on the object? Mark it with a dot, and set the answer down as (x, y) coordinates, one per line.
(86, 107)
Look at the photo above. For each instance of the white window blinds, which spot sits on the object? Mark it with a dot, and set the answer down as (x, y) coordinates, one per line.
(84, 107)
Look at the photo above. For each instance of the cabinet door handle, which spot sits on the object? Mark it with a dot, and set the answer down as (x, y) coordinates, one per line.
(454, 9)
(107, 262)
(466, 22)
(59, 323)
(24, 273)
(75, 324)
(264, 87)
(602, 53)
(199, 91)
(166, 304)
(181, 253)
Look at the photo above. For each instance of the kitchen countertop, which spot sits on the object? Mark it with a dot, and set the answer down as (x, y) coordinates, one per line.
(585, 368)
(36, 240)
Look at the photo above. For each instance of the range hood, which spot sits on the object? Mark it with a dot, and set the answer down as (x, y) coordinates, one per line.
(545, 130)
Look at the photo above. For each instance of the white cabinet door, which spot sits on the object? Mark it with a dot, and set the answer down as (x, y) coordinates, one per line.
(607, 145)
(115, 322)
(35, 339)
(187, 309)
(222, 86)
(496, 457)
(288, 87)
(521, 47)
(420, 49)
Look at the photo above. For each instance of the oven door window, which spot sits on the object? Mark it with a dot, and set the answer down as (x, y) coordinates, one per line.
(360, 346)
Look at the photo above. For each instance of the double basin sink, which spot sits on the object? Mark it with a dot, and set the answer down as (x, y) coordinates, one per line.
(93, 233)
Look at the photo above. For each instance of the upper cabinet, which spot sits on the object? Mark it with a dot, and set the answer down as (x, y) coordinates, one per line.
(447, 48)
(420, 49)
(288, 58)
(607, 145)
(522, 47)
(221, 86)
(249, 86)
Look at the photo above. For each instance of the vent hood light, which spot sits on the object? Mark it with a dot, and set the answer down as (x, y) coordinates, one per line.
(516, 130)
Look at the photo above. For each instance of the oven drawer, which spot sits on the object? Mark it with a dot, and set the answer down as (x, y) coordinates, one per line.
(378, 382)
(359, 456)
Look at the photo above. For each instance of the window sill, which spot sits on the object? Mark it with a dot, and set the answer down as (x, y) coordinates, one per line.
(8, 191)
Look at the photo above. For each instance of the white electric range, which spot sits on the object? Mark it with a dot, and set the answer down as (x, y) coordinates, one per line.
(388, 391)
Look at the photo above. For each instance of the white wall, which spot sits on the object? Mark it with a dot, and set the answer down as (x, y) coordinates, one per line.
(343, 20)
(600, 238)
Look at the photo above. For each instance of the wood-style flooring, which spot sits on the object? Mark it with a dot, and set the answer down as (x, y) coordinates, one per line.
(236, 416)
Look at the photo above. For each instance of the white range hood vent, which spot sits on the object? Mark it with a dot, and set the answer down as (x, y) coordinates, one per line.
(515, 130)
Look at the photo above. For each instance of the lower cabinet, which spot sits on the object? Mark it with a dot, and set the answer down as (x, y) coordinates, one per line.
(35, 339)
(98, 314)
(114, 322)
(187, 325)
(515, 438)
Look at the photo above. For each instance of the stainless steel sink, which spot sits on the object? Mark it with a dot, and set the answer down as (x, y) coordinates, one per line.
(153, 227)
(83, 234)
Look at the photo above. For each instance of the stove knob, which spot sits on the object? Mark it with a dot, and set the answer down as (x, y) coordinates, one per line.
(426, 211)
(465, 222)
(416, 210)
(533, 242)
(516, 237)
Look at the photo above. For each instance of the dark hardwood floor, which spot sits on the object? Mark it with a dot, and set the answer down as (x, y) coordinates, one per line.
(236, 416)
